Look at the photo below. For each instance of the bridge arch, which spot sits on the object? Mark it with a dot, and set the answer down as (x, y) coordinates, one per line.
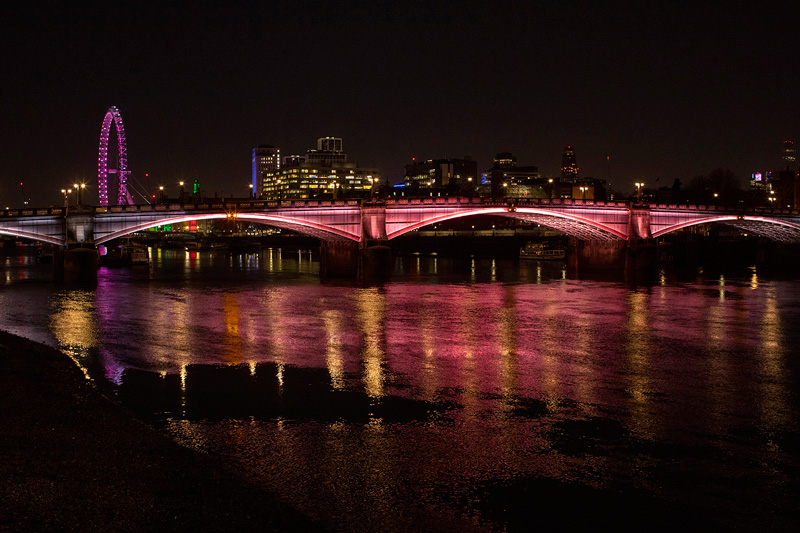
(771, 228)
(113, 115)
(572, 224)
(312, 229)
(49, 239)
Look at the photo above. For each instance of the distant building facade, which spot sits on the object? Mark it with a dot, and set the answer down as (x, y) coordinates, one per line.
(450, 175)
(265, 158)
(789, 154)
(569, 165)
(323, 173)
(505, 178)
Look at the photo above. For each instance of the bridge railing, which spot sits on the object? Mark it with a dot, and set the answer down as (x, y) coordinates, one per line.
(231, 204)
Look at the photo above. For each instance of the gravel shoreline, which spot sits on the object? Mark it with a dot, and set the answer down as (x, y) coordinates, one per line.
(71, 459)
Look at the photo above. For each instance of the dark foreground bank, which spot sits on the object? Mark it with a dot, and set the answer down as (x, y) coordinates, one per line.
(72, 460)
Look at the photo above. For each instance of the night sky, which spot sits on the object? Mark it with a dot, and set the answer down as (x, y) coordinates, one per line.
(666, 90)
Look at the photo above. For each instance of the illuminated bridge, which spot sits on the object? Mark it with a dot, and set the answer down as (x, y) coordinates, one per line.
(350, 224)
(361, 222)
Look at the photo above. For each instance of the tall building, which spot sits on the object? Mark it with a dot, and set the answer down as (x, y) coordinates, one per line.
(266, 158)
(323, 173)
(788, 154)
(569, 167)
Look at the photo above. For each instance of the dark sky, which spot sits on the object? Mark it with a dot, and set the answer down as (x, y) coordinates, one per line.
(667, 90)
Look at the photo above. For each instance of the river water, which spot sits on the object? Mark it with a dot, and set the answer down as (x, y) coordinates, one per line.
(462, 394)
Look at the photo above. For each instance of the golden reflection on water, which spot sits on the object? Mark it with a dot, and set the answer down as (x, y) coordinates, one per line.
(507, 343)
(370, 318)
(230, 316)
(428, 330)
(637, 345)
(549, 346)
(466, 332)
(776, 412)
(74, 324)
(334, 351)
(273, 301)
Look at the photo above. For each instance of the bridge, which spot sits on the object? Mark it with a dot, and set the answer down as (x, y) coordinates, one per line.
(345, 226)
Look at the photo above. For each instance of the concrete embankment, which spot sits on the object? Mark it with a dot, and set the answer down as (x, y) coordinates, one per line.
(70, 459)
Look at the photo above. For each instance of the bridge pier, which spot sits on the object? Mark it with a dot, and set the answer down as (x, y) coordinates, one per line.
(338, 259)
(78, 261)
(375, 262)
(348, 259)
(596, 255)
(78, 265)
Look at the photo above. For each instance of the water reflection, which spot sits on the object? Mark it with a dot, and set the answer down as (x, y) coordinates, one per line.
(422, 400)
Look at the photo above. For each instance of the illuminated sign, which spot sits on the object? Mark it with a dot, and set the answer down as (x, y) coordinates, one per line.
(757, 176)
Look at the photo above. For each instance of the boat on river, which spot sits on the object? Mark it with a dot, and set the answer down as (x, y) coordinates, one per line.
(538, 251)
(126, 253)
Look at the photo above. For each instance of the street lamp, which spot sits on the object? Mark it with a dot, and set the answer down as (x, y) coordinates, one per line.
(181, 184)
(161, 194)
(251, 190)
(64, 192)
(639, 186)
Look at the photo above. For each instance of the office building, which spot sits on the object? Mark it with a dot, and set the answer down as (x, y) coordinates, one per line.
(323, 173)
(266, 158)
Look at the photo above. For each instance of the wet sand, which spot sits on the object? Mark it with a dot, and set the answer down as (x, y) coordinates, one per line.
(71, 459)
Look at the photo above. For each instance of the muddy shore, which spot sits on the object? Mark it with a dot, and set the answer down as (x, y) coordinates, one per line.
(71, 459)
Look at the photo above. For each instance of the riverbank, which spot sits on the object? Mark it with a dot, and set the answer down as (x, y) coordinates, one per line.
(73, 460)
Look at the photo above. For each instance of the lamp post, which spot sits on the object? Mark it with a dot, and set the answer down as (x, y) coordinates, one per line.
(639, 186)
(64, 192)
(161, 194)
(181, 184)
(251, 191)
(550, 187)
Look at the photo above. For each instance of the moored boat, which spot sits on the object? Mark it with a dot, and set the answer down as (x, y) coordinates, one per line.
(537, 250)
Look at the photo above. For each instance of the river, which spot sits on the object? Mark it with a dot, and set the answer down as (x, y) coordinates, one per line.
(461, 394)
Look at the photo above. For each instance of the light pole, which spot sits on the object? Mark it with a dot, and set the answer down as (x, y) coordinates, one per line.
(639, 186)
(550, 187)
(251, 191)
(161, 194)
(64, 192)
(78, 192)
(181, 184)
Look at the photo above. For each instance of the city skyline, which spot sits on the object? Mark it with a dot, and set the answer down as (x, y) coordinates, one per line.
(665, 91)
